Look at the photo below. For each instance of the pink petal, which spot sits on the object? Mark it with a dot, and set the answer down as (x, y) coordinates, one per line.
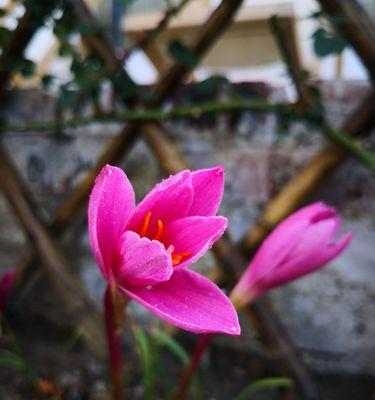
(315, 249)
(191, 302)
(142, 261)
(268, 262)
(169, 200)
(111, 205)
(208, 187)
(194, 235)
(281, 241)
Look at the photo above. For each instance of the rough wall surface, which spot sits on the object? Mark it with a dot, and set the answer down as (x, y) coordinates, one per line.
(330, 314)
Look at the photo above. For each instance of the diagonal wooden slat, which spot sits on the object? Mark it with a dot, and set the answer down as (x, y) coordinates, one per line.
(55, 263)
(53, 260)
(170, 85)
(27, 26)
(126, 138)
(308, 180)
(232, 262)
(356, 26)
(216, 27)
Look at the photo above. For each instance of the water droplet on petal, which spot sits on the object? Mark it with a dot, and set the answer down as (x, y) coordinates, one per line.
(149, 287)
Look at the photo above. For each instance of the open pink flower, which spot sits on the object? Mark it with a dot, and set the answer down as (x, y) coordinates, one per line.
(144, 250)
(302, 243)
(6, 285)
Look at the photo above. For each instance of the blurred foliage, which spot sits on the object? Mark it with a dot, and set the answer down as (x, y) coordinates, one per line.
(263, 385)
(182, 53)
(326, 41)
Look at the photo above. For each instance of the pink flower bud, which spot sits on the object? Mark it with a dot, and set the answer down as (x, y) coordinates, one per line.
(301, 244)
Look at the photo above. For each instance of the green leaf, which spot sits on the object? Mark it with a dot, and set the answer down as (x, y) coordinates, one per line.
(264, 384)
(172, 345)
(125, 2)
(145, 350)
(3, 12)
(183, 54)
(25, 67)
(208, 86)
(316, 15)
(125, 88)
(68, 98)
(12, 361)
(326, 43)
(66, 49)
(86, 29)
(175, 348)
(47, 80)
(5, 34)
(17, 362)
(74, 338)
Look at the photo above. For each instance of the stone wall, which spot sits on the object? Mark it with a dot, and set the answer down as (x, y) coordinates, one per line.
(330, 314)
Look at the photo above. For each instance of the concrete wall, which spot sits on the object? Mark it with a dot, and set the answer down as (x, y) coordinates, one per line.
(329, 314)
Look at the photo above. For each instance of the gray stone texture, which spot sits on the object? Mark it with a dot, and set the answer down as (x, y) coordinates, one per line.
(330, 314)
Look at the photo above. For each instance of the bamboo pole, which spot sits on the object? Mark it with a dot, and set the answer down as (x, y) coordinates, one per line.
(54, 262)
(232, 263)
(21, 36)
(307, 181)
(356, 26)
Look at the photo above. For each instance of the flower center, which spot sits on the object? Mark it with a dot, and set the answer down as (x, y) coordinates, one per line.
(145, 230)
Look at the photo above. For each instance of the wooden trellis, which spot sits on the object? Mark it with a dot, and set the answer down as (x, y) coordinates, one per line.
(231, 258)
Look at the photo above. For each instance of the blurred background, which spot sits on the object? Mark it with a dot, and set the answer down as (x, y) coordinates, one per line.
(259, 86)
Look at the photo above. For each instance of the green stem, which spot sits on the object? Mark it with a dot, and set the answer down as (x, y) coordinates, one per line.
(195, 111)
(366, 157)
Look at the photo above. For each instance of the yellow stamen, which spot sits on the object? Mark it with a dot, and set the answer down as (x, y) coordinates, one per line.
(145, 224)
(160, 230)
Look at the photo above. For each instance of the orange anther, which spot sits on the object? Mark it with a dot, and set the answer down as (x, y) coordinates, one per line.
(160, 230)
(177, 258)
(145, 224)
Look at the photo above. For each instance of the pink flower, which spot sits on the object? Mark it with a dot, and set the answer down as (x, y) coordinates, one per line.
(6, 285)
(301, 244)
(144, 250)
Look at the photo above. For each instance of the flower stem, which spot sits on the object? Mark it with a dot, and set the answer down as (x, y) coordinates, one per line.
(200, 347)
(114, 306)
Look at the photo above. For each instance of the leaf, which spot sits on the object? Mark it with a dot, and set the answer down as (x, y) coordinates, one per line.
(74, 338)
(86, 29)
(175, 348)
(5, 34)
(12, 361)
(264, 384)
(326, 43)
(183, 54)
(3, 12)
(25, 67)
(16, 361)
(124, 2)
(125, 88)
(67, 99)
(47, 80)
(145, 350)
(208, 86)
